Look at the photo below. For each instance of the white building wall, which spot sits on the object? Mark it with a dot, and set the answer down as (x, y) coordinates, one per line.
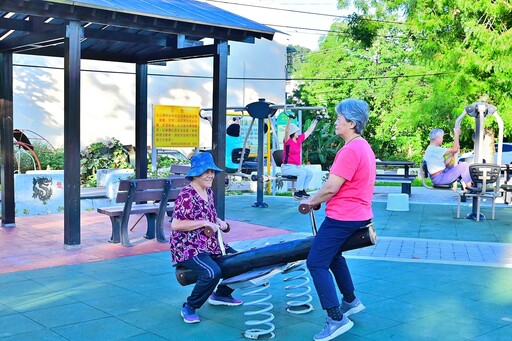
(108, 91)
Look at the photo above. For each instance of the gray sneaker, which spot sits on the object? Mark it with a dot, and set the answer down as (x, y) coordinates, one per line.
(352, 308)
(333, 329)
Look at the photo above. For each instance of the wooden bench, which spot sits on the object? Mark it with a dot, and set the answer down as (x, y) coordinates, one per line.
(405, 179)
(134, 194)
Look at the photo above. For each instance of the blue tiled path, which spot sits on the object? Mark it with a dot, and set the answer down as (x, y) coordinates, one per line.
(430, 277)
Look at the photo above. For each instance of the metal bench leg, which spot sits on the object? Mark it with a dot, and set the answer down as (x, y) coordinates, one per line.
(125, 240)
(458, 206)
(478, 209)
(492, 207)
(154, 229)
(116, 230)
(406, 188)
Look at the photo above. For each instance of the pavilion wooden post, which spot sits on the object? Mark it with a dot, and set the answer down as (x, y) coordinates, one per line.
(6, 139)
(72, 57)
(220, 85)
(141, 121)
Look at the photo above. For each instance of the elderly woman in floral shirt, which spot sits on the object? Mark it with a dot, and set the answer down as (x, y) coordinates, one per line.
(194, 210)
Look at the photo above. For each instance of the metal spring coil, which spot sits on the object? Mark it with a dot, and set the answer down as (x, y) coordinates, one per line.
(258, 291)
(299, 298)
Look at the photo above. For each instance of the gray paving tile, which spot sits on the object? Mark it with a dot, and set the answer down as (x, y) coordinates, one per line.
(65, 315)
(11, 325)
(39, 335)
(109, 328)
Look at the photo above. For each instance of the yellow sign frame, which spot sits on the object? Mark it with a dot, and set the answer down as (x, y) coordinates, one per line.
(175, 126)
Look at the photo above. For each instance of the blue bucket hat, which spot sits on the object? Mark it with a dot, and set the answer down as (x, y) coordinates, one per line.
(202, 162)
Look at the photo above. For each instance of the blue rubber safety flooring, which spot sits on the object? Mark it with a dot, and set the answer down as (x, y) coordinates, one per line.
(431, 276)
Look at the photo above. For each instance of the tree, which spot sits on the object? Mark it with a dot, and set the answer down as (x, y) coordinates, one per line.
(418, 64)
(468, 43)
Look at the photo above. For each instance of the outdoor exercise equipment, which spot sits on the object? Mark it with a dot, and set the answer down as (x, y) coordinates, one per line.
(293, 112)
(285, 252)
(260, 110)
(209, 231)
(251, 271)
(238, 155)
(479, 111)
(305, 208)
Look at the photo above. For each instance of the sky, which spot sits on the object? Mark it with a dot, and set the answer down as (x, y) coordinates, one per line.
(284, 16)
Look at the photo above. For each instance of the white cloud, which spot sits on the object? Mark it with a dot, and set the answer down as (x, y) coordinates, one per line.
(319, 24)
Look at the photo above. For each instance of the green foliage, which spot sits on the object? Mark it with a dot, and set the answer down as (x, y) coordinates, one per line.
(102, 155)
(49, 158)
(416, 75)
(322, 145)
(363, 30)
(40, 157)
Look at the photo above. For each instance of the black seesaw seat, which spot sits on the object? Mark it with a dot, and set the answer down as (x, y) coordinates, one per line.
(286, 252)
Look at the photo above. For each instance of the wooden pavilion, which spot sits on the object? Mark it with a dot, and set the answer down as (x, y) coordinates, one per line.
(132, 31)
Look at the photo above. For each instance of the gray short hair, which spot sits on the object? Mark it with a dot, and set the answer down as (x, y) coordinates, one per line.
(434, 133)
(354, 110)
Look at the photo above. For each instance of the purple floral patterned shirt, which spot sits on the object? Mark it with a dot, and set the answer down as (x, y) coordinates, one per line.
(190, 206)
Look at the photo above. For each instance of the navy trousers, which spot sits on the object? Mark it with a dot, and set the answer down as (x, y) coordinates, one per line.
(325, 255)
(209, 275)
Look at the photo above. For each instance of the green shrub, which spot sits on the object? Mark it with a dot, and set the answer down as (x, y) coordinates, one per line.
(102, 155)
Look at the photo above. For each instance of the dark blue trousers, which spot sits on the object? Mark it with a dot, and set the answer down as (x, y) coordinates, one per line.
(209, 275)
(325, 255)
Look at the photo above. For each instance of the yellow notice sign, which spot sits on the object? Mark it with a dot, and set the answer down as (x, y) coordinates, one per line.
(175, 126)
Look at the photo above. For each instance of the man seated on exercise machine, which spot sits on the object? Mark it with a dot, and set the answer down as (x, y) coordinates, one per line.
(441, 163)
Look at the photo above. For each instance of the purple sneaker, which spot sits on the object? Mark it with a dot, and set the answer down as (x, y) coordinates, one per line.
(189, 314)
(224, 300)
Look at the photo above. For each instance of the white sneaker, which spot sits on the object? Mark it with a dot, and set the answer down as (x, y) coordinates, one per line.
(333, 329)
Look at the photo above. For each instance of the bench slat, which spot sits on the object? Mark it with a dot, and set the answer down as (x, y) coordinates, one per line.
(117, 211)
(142, 184)
(394, 179)
(148, 195)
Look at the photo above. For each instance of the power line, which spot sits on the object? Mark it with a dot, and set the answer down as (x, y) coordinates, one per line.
(318, 30)
(303, 12)
(240, 78)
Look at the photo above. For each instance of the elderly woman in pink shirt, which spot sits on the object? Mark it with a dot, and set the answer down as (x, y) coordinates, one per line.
(292, 157)
(348, 195)
(194, 210)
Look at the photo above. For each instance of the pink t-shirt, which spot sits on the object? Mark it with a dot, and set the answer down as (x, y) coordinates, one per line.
(292, 151)
(355, 162)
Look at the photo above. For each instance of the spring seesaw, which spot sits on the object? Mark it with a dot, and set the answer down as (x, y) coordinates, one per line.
(209, 231)
(241, 262)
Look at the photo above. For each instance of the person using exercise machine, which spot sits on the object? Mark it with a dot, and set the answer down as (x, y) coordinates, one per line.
(441, 163)
(292, 156)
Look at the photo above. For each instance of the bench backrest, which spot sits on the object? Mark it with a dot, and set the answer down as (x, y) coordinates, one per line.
(150, 189)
